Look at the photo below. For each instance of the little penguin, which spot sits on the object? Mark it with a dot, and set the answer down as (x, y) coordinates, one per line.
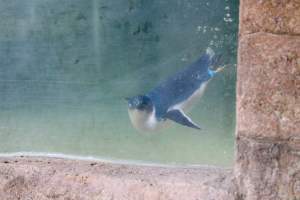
(174, 96)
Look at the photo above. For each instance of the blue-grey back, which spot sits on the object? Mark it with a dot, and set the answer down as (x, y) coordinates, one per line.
(181, 85)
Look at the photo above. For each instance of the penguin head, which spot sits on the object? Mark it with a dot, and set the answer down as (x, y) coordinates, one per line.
(140, 102)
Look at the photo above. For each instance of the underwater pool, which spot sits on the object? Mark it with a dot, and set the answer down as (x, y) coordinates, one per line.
(67, 65)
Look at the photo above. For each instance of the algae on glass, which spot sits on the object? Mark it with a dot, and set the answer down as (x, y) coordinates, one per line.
(67, 65)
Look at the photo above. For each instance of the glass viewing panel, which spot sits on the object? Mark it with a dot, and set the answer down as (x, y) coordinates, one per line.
(66, 67)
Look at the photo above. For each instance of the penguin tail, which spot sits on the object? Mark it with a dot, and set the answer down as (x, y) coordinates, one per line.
(210, 52)
(216, 61)
(208, 61)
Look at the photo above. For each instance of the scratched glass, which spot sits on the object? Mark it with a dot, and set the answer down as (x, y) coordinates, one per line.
(66, 67)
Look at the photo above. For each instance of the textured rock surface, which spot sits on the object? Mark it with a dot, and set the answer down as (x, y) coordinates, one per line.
(267, 170)
(273, 16)
(269, 86)
(50, 178)
(268, 106)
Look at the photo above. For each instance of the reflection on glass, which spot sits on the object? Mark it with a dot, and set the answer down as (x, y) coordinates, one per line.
(68, 65)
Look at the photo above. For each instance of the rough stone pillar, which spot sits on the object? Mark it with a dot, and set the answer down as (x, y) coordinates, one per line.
(268, 101)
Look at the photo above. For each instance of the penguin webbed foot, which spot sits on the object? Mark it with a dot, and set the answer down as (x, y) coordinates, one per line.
(179, 117)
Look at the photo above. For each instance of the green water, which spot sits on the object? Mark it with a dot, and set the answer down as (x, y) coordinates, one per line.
(66, 66)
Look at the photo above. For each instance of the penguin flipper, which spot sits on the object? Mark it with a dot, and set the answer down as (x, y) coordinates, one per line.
(179, 117)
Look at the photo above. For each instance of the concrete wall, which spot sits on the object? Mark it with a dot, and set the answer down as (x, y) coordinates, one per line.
(268, 100)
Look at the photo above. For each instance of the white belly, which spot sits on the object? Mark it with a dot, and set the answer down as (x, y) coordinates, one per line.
(144, 121)
(186, 105)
